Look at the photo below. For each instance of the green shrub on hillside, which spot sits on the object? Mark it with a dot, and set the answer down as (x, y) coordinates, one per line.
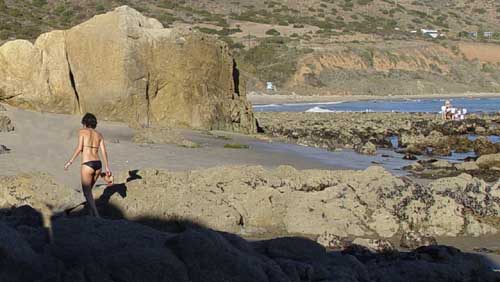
(273, 32)
(229, 31)
(167, 19)
(479, 11)
(489, 68)
(167, 4)
(100, 8)
(364, 2)
(271, 60)
(207, 30)
(39, 3)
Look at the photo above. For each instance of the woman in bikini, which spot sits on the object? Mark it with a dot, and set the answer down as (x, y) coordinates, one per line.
(89, 142)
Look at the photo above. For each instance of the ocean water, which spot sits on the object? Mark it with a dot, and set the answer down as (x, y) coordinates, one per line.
(473, 105)
(349, 159)
(343, 159)
(491, 138)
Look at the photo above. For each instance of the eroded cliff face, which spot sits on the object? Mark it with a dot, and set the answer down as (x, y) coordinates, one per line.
(393, 68)
(124, 66)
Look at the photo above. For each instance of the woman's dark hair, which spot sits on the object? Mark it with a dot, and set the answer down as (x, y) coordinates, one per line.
(89, 120)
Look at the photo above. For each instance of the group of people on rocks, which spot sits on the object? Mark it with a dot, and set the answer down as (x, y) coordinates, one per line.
(448, 112)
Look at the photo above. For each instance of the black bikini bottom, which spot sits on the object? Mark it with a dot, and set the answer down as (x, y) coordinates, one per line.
(95, 165)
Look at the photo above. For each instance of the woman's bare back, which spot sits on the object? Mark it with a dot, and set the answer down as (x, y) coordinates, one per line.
(91, 140)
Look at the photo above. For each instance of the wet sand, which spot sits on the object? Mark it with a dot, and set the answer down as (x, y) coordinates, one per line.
(261, 99)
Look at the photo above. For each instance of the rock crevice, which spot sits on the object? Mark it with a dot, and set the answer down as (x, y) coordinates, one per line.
(73, 85)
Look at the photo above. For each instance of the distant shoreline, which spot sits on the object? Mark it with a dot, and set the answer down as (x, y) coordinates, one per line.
(263, 99)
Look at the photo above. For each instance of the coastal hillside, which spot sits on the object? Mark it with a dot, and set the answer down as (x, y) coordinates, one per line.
(28, 18)
(396, 67)
(319, 46)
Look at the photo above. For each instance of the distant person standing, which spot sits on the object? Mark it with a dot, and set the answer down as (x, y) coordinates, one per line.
(447, 110)
(89, 143)
(443, 112)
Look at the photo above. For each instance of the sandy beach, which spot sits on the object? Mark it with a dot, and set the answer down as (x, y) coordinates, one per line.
(260, 99)
(43, 142)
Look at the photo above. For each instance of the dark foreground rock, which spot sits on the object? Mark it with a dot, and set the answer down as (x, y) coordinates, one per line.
(89, 249)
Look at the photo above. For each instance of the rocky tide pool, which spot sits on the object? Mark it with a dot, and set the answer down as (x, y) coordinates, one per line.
(403, 143)
(389, 159)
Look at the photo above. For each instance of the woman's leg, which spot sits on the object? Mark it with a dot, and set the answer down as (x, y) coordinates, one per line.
(88, 175)
(97, 173)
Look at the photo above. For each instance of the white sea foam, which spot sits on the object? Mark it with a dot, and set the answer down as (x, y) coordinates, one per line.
(266, 106)
(296, 104)
(318, 110)
(312, 104)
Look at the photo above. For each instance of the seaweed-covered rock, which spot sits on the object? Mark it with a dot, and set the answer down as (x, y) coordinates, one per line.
(367, 149)
(375, 245)
(412, 240)
(482, 146)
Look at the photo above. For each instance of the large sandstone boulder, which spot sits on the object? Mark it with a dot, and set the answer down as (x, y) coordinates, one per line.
(36, 76)
(124, 66)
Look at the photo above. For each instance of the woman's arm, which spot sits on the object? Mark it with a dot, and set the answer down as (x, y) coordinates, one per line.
(77, 152)
(105, 156)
